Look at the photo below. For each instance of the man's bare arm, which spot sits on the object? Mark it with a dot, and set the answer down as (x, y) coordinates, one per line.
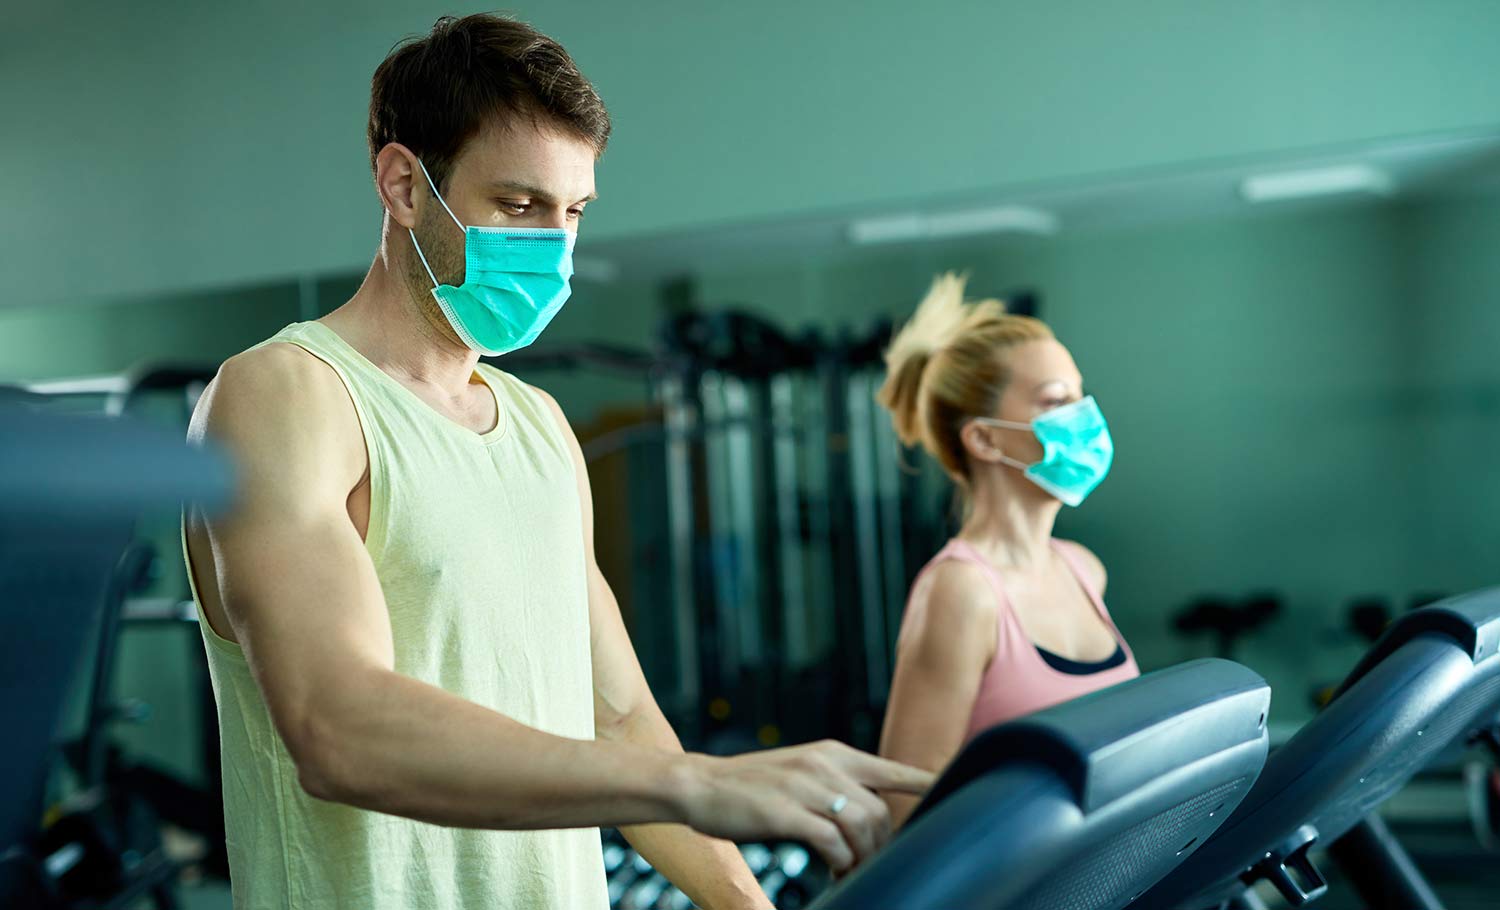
(302, 599)
(709, 871)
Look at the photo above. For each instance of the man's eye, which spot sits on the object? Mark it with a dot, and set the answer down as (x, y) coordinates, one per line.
(575, 213)
(514, 208)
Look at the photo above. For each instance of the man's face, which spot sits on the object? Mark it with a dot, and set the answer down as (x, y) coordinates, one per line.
(521, 175)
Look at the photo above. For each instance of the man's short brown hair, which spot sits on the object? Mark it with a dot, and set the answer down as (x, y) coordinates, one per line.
(435, 93)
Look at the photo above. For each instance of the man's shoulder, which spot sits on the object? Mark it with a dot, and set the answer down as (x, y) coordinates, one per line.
(277, 394)
(276, 365)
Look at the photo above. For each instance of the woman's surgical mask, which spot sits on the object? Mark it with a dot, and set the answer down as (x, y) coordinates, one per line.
(1076, 449)
(515, 281)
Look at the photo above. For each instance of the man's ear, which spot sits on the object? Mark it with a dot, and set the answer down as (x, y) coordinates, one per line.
(399, 181)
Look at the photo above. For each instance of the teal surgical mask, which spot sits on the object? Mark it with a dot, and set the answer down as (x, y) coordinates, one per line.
(515, 281)
(1076, 449)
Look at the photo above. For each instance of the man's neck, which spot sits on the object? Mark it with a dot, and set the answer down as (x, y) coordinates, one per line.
(400, 336)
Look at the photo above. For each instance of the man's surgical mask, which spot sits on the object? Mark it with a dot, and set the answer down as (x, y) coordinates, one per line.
(515, 281)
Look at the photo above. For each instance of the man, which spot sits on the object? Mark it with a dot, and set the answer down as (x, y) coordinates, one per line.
(426, 694)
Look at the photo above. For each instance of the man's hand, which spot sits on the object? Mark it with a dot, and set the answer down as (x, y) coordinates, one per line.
(792, 793)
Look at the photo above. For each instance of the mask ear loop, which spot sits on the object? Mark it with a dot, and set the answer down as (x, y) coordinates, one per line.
(417, 246)
(1006, 425)
(440, 197)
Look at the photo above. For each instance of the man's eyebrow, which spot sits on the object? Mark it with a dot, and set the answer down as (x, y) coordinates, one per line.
(534, 191)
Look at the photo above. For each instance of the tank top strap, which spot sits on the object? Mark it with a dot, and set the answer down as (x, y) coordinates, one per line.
(326, 344)
(1007, 627)
(1070, 555)
(963, 551)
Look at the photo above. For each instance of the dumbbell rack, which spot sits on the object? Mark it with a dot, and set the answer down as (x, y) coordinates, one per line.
(789, 875)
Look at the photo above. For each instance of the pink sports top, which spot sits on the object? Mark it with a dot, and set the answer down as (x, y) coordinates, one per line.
(1022, 677)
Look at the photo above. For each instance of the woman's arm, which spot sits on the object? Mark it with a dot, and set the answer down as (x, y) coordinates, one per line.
(949, 640)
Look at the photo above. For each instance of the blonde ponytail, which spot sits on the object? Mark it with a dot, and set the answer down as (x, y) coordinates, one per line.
(946, 364)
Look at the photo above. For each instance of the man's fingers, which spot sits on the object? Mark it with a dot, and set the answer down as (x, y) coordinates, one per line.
(879, 816)
(822, 794)
(882, 774)
(827, 838)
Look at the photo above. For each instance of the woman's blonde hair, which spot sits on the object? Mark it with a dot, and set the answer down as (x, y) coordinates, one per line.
(947, 364)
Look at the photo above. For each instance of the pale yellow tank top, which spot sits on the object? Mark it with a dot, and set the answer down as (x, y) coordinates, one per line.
(478, 543)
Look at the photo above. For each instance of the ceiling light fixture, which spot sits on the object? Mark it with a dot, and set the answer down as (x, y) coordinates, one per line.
(1325, 181)
(965, 223)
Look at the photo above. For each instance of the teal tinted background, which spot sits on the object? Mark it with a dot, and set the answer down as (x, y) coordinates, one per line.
(221, 145)
(1304, 399)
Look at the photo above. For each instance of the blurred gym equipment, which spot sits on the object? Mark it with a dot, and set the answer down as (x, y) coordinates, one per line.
(787, 872)
(1432, 680)
(794, 529)
(70, 491)
(1228, 621)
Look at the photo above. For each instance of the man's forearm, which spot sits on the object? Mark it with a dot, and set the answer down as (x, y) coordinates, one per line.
(710, 871)
(396, 745)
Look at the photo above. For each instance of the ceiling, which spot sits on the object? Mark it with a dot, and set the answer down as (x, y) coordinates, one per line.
(1420, 169)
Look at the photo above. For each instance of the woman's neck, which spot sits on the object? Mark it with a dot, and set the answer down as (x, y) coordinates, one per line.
(1010, 520)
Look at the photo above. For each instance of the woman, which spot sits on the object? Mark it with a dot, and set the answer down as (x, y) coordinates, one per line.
(1005, 620)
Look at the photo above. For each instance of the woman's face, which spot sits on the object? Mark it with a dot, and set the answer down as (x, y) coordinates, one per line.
(1042, 377)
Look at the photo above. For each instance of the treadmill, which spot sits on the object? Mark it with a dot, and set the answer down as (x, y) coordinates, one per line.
(1082, 806)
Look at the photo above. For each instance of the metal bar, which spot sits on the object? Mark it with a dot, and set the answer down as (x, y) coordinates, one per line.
(723, 554)
(1381, 870)
(742, 476)
(102, 708)
(867, 541)
(850, 681)
(793, 573)
(822, 588)
(892, 533)
(680, 419)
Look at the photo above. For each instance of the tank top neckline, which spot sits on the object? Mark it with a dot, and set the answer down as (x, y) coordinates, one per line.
(1082, 667)
(1008, 612)
(488, 437)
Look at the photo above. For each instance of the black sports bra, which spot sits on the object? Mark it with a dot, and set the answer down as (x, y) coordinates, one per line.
(1081, 668)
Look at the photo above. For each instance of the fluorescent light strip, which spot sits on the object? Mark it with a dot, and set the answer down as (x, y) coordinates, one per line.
(1326, 181)
(917, 226)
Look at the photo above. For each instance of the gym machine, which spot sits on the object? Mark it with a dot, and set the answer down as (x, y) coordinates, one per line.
(794, 529)
(790, 876)
(71, 489)
(1431, 682)
(1078, 807)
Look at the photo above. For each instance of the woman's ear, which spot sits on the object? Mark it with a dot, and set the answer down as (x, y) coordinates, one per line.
(981, 442)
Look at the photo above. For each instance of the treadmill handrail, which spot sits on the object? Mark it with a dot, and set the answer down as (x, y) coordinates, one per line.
(1102, 753)
(1471, 620)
